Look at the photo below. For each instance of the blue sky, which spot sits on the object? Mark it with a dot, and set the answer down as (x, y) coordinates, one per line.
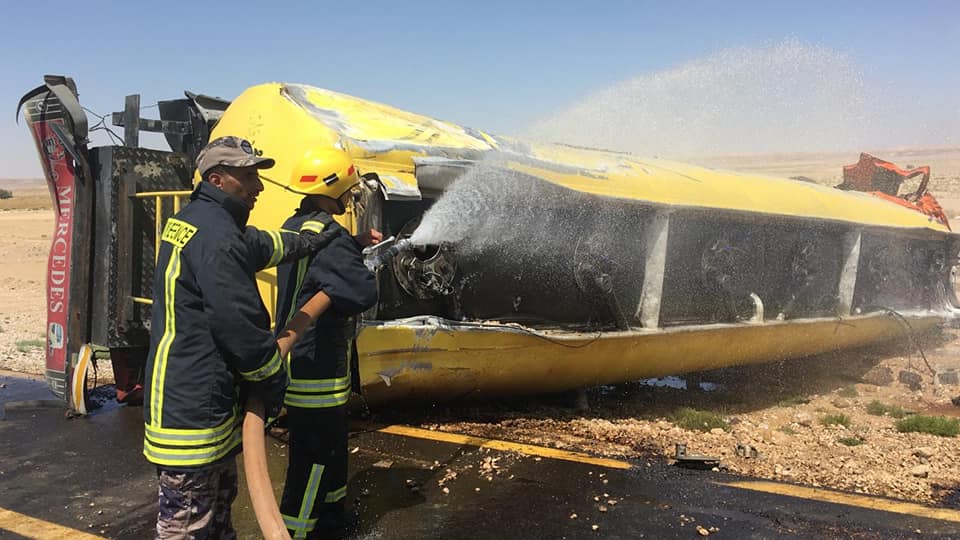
(499, 66)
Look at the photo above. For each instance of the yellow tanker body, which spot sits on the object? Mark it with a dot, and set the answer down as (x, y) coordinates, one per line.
(651, 268)
(534, 267)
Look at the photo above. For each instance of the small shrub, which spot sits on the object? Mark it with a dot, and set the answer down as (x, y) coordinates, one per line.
(850, 441)
(848, 392)
(26, 345)
(877, 408)
(695, 420)
(6, 194)
(793, 401)
(836, 420)
(934, 425)
(788, 430)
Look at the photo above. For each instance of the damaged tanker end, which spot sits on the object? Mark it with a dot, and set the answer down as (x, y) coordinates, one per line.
(569, 268)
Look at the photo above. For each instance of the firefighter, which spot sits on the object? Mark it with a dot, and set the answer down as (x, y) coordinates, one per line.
(320, 375)
(210, 336)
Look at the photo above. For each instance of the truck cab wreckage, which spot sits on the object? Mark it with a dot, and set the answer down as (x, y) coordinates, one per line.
(652, 267)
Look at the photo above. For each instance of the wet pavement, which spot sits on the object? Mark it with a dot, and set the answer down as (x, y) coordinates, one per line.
(87, 474)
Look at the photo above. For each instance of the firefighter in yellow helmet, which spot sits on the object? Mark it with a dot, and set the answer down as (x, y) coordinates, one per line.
(320, 365)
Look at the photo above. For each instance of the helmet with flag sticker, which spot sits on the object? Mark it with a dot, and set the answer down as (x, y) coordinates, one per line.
(325, 171)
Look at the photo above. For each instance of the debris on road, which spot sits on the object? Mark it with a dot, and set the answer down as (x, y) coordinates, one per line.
(693, 461)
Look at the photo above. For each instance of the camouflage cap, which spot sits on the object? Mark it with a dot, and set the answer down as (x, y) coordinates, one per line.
(232, 152)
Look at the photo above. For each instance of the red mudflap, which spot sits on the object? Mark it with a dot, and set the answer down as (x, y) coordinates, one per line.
(67, 265)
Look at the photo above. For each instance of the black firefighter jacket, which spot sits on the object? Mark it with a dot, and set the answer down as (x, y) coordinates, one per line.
(209, 329)
(319, 362)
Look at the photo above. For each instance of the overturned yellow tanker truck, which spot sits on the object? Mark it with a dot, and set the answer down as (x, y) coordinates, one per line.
(648, 267)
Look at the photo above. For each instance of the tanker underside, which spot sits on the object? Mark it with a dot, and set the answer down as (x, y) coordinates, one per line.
(627, 265)
(634, 291)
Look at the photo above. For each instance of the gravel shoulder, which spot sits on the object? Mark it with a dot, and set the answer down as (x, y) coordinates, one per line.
(774, 414)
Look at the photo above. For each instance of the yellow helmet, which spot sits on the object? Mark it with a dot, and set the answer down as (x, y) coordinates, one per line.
(324, 171)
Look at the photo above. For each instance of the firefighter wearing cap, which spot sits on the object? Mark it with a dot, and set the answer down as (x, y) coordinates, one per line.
(211, 338)
(320, 374)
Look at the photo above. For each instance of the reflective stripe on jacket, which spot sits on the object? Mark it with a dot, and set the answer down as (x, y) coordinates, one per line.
(319, 369)
(209, 328)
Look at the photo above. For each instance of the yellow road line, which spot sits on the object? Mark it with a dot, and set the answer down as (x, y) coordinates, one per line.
(849, 499)
(31, 527)
(505, 446)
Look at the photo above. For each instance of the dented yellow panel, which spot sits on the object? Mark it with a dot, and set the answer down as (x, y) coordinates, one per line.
(444, 360)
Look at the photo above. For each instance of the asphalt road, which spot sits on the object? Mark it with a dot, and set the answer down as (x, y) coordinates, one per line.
(86, 476)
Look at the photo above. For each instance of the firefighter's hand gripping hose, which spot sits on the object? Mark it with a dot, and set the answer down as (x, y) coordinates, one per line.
(254, 445)
(378, 255)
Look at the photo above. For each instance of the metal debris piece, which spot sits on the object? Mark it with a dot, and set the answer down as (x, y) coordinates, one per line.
(595, 527)
(950, 376)
(383, 464)
(694, 461)
(355, 449)
(702, 531)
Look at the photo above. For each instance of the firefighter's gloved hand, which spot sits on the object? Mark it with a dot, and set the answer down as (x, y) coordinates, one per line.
(271, 391)
(319, 230)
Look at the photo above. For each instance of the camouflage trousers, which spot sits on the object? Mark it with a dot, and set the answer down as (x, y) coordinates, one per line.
(195, 505)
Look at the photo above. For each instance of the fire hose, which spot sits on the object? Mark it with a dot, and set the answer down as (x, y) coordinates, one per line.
(265, 506)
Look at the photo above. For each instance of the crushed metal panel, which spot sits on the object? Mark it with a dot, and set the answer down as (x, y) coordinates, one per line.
(436, 173)
(399, 187)
(472, 360)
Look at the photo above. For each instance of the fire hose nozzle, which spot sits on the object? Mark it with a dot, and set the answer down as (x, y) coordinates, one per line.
(376, 256)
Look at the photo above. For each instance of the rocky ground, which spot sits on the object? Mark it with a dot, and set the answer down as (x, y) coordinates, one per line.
(773, 421)
(772, 414)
